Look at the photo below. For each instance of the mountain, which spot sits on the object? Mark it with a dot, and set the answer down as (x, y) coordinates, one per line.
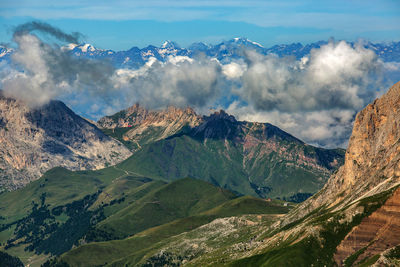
(119, 217)
(372, 156)
(354, 220)
(249, 158)
(36, 140)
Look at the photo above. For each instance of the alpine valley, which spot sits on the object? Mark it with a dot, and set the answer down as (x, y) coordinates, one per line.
(171, 187)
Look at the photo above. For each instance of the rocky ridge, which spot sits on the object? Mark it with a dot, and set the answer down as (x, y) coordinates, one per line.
(33, 141)
(143, 126)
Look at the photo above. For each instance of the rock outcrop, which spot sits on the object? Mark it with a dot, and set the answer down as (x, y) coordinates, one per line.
(375, 234)
(145, 126)
(33, 141)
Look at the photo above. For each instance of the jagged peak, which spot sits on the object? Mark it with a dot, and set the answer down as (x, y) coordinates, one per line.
(137, 114)
(170, 109)
(221, 115)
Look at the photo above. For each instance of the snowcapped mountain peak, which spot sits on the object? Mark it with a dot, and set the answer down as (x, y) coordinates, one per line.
(245, 41)
(87, 47)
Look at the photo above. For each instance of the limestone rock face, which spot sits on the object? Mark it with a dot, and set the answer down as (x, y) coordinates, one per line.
(33, 141)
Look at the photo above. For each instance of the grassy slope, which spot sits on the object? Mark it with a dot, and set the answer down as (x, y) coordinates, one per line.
(224, 164)
(118, 133)
(184, 156)
(62, 187)
(179, 199)
(130, 204)
(133, 249)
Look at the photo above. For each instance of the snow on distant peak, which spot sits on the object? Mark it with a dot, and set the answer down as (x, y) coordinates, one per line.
(84, 48)
(257, 44)
(244, 40)
(126, 60)
(165, 44)
(169, 45)
(3, 53)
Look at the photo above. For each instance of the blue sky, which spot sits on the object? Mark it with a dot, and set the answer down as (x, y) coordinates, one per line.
(121, 24)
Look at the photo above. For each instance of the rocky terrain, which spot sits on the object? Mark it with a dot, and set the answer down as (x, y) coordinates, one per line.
(33, 141)
(375, 234)
(142, 126)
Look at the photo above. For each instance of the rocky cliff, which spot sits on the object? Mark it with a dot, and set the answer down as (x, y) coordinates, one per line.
(33, 141)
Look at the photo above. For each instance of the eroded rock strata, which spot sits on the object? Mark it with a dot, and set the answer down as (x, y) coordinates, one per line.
(375, 234)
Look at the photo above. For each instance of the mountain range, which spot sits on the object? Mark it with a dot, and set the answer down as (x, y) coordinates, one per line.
(353, 221)
(132, 168)
(224, 51)
(172, 187)
(145, 211)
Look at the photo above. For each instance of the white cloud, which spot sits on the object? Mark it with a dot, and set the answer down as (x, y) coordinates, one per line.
(334, 76)
(233, 70)
(180, 83)
(315, 98)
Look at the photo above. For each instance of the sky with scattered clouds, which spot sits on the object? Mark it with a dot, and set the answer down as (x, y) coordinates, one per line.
(121, 24)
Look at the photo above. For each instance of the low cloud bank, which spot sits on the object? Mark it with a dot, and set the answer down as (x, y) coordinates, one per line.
(315, 98)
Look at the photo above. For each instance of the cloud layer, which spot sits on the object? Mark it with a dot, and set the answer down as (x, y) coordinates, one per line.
(42, 71)
(315, 98)
(334, 76)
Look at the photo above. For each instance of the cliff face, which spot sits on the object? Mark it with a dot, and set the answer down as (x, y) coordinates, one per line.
(33, 141)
